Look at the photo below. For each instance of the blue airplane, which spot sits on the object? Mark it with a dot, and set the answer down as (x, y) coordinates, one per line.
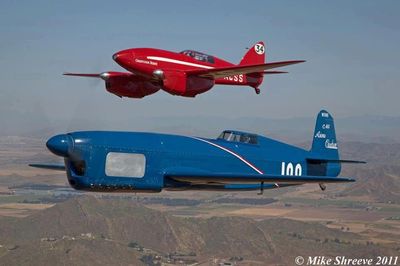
(109, 161)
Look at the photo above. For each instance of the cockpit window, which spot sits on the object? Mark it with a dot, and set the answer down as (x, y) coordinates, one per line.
(199, 56)
(239, 137)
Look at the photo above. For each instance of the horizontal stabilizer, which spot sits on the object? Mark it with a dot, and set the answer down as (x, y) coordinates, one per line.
(221, 72)
(274, 72)
(334, 161)
(229, 178)
(59, 167)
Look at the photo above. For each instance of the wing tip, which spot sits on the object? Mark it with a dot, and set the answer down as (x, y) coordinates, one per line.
(58, 167)
(82, 75)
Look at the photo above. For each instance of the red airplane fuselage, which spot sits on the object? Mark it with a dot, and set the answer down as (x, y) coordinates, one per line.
(147, 61)
(187, 73)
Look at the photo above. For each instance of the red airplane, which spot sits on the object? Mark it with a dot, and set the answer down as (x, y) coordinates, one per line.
(187, 73)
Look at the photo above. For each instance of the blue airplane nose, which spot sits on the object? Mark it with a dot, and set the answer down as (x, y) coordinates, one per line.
(60, 145)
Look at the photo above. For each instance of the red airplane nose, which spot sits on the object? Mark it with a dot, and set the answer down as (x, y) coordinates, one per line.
(115, 56)
(123, 58)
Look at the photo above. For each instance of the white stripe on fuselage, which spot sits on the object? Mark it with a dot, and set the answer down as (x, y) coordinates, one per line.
(169, 60)
(232, 153)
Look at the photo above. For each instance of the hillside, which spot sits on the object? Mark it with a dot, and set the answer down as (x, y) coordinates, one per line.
(90, 231)
(380, 177)
(382, 184)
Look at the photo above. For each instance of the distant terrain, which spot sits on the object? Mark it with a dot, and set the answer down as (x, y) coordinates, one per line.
(86, 230)
(44, 222)
(368, 128)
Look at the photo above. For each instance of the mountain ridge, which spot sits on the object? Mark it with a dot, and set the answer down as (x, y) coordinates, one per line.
(85, 230)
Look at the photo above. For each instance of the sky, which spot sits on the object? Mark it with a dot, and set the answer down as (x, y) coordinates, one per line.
(351, 48)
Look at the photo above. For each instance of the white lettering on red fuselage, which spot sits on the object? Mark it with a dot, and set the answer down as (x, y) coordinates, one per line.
(235, 78)
(148, 62)
(174, 61)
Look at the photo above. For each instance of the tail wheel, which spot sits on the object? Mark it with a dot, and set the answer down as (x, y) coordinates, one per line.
(257, 90)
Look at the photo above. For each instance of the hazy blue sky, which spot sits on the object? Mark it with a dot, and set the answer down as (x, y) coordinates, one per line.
(351, 48)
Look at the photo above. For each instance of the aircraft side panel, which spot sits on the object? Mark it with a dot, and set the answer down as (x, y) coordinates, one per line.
(273, 157)
(190, 152)
(95, 151)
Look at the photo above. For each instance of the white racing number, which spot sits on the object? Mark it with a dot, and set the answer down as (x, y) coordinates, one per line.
(290, 169)
(259, 48)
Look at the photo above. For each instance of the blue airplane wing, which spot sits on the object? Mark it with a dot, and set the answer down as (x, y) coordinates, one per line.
(229, 178)
(59, 167)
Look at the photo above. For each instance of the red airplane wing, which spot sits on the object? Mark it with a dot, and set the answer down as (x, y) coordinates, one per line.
(104, 75)
(236, 70)
(82, 75)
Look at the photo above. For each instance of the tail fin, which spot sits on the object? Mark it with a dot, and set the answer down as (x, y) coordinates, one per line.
(255, 55)
(324, 144)
(324, 155)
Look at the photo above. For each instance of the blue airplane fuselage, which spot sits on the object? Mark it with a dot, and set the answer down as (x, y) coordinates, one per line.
(150, 162)
(164, 152)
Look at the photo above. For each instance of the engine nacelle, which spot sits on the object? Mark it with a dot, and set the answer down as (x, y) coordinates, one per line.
(175, 82)
(102, 161)
(178, 83)
(129, 85)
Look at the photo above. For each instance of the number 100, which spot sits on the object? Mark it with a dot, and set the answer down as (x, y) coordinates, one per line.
(290, 170)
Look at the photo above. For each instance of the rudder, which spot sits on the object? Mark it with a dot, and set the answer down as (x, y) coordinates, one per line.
(324, 154)
(255, 55)
(323, 159)
(324, 142)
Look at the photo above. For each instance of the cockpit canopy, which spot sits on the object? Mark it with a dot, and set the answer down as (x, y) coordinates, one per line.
(199, 56)
(236, 136)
